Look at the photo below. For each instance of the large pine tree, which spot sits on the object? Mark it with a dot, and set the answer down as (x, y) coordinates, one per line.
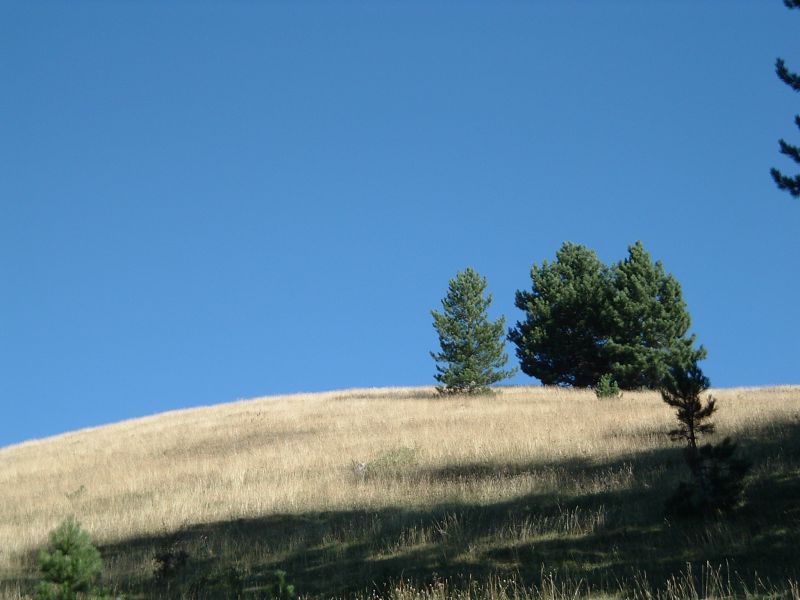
(786, 182)
(648, 322)
(584, 320)
(472, 356)
(562, 339)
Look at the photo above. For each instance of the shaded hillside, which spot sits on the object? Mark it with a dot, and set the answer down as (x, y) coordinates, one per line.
(352, 491)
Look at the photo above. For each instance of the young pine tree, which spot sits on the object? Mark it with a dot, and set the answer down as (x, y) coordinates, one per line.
(472, 353)
(682, 390)
(717, 480)
(71, 566)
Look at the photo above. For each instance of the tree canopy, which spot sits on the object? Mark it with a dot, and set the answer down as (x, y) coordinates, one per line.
(562, 339)
(584, 320)
(647, 322)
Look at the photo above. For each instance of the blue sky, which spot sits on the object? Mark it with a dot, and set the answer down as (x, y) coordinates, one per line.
(206, 201)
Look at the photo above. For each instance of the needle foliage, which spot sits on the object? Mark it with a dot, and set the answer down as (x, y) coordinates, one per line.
(585, 320)
(472, 356)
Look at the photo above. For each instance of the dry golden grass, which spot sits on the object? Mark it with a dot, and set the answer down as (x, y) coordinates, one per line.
(300, 453)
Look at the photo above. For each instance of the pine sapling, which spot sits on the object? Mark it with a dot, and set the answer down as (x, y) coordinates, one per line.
(717, 473)
(682, 391)
(70, 566)
(607, 387)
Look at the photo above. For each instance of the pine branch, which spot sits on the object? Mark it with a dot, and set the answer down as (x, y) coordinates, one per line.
(785, 75)
(789, 150)
(706, 428)
(789, 184)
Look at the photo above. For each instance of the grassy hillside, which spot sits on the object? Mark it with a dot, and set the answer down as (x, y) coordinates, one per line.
(552, 491)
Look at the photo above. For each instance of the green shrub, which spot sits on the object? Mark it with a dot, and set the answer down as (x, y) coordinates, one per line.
(606, 387)
(70, 566)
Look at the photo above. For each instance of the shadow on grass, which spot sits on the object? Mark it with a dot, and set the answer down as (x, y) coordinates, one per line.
(603, 538)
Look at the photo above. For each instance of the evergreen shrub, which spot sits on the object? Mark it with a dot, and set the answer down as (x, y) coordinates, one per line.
(607, 388)
(70, 566)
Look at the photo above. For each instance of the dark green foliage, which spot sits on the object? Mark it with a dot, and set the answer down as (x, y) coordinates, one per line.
(648, 322)
(70, 566)
(681, 389)
(788, 183)
(717, 481)
(718, 475)
(472, 354)
(585, 320)
(562, 339)
(606, 387)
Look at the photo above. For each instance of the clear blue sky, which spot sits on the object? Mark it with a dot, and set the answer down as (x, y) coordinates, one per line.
(206, 201)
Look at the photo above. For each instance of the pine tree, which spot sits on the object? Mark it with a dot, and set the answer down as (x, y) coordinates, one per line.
(717, 474)
(562, 339)
(681, 390)
(471, 357)
(785, 182)
(648, 322)
(585, 321)
(70, 566)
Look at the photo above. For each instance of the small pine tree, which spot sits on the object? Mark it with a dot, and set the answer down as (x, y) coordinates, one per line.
(70, 566)
(472, 353)
(681, 390)
(717, 473)
(606, 387)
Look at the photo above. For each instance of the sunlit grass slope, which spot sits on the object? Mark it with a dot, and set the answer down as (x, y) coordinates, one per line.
(354, 491)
